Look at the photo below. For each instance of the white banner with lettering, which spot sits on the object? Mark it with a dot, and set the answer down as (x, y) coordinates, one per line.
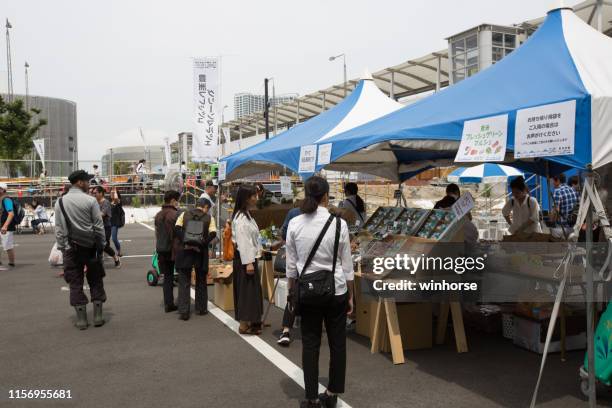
(308, 159)
(39, 144)
(205, 110)
(222, 171)
(167, 152)
(325, 151)
(547, 130)
(285, 182)
(483, 140)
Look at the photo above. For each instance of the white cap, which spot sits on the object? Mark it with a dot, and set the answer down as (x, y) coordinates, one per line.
(3, 186)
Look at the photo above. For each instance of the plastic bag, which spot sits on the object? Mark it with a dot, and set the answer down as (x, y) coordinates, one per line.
(228, 245)
(55, 257)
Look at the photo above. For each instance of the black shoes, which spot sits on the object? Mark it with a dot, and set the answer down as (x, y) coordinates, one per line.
(284, 339)
(202, 312)
(310, 404)
(328, 401)
(184, 316)
(170, 308)
(98, 318)
(81, 322)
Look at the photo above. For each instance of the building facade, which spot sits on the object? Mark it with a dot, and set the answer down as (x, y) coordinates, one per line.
(59, 134)
(475, 49)
(247, 103)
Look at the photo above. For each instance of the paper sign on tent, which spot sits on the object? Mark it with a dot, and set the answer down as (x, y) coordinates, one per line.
(308, 159)
(483, 140)
(544, 131)
(325, 151)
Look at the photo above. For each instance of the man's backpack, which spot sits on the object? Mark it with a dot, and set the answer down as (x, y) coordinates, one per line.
(194, 225)
(18, 211)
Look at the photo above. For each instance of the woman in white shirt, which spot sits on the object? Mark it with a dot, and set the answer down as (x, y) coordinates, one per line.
(248, 299)
(525, 210)
(354, 203)
(40, 217)
(302, 233)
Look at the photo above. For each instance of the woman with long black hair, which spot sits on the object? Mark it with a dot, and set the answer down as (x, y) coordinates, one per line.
(248, 299)
(319, 250)
(117, 219)
(354, 203)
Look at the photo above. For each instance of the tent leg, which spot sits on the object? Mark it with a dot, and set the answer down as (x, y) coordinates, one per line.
(590, 299)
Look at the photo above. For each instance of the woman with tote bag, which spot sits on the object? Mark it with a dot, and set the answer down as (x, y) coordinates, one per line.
(320, 272)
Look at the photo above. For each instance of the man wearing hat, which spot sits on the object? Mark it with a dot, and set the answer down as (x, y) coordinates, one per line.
(79, 233)
(7, 226)
(195, 228)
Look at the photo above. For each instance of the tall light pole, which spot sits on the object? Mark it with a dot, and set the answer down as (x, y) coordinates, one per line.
(344, 67)
(8, 61)
(27, 89)
(223, 122)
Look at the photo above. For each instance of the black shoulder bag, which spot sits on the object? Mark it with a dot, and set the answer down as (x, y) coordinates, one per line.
(318, 288)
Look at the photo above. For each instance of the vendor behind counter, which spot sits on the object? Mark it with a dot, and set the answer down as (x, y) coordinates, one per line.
(522, 212)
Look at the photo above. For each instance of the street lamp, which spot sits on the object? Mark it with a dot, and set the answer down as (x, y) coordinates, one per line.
(343, 65)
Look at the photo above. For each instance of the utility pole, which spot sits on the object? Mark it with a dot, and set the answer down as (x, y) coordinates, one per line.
(8, 61)
(266, 109)
(274, 102)
(27, 89)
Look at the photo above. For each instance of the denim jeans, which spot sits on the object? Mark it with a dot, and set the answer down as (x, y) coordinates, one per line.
(114, 233)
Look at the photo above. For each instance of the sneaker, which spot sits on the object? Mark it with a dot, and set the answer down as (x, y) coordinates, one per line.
(310, 404)
(328, 401)
(184, 316)
(284, 339)
(118, 263)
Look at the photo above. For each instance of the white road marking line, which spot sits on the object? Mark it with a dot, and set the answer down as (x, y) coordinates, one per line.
(146, 226)
(280, 361)
(275, 357)
(136, 256)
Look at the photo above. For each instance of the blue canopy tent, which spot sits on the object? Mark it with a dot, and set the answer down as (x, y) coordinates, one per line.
(364, 104)
(564, 60)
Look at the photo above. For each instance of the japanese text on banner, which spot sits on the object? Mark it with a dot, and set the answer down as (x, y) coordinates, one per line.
(206, 85)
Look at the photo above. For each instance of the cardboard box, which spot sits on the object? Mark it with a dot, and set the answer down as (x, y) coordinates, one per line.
(282, 290)
(531, 334)
(223, 295)
(365, 312)
(415, 321)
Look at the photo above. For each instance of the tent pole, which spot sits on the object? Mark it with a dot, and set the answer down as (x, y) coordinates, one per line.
(590, 297)
(550, 206)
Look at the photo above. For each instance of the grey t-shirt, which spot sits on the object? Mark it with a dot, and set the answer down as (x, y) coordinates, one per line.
(106, 212)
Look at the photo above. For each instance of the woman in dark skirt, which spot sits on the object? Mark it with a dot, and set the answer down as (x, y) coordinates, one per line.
(248, 299)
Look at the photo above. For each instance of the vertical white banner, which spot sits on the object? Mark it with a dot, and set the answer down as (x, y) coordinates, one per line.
(227, 139)
(206, 110)
(39, 144)
(167, 152)
(222, 170)
(285, 182)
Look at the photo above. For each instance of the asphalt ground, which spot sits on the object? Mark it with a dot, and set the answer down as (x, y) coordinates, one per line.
(143, 357)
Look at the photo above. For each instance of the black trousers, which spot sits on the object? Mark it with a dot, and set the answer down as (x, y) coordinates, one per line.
(75, 261)
(184, 290)
(107, 245)
(334, 318)
(166, 267)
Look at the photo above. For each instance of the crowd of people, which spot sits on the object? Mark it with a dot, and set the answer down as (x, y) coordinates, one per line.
(315, 236)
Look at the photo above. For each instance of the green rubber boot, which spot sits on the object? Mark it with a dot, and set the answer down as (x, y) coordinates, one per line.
(81, 322)
(98, 318)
